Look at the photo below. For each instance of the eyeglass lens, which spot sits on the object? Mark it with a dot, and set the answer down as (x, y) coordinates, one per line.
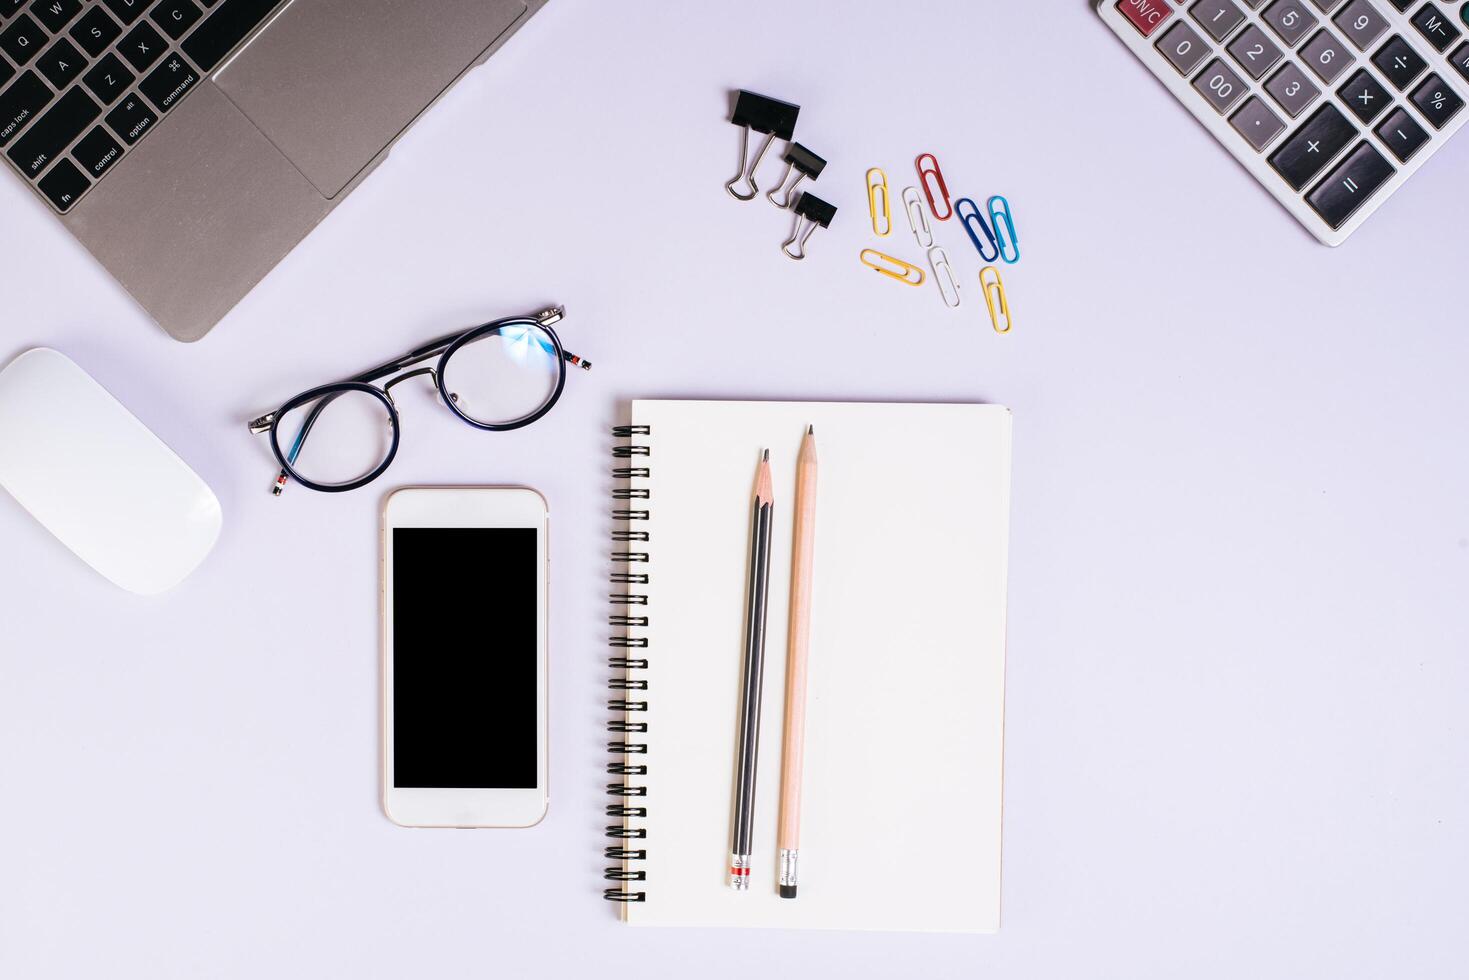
(505, 375)
(336, 439)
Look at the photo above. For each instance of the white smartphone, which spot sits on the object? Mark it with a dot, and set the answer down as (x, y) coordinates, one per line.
(464, 659)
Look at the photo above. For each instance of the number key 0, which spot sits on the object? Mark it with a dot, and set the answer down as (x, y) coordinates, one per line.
(1183, 48)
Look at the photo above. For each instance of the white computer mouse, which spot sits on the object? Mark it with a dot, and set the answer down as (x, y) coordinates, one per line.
(98, 479)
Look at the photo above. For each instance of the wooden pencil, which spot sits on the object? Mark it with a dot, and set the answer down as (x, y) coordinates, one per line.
(803, 554)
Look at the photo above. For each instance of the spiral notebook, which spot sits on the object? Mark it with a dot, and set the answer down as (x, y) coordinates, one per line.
(900, 823)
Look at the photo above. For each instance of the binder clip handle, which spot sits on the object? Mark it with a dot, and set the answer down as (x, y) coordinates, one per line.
(762, 114)
(811, 212)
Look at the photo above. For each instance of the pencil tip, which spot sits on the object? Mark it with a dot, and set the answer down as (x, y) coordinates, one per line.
(766, 457)
(811, 430)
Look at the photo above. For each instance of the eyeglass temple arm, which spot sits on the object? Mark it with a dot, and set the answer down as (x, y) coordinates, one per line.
(263, 424)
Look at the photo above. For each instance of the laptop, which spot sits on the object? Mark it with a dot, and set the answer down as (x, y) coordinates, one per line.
(190, 144)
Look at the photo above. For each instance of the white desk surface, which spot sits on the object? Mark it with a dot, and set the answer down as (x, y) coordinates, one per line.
(1237, 671)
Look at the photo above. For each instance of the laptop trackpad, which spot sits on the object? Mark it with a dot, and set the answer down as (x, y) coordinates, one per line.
(332, 82)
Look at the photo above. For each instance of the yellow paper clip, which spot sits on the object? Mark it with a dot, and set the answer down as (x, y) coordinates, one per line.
(891, 267)
(994, 298)
(882, 218)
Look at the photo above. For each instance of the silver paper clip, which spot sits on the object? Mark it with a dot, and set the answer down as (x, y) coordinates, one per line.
(938, 259)
(804, 164)
(917, 217)
(763, 115)
(811, 211)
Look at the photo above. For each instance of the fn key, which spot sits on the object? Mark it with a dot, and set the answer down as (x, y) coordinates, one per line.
(1349, 185)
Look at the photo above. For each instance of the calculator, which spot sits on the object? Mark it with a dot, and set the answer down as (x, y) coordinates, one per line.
(1331, 104)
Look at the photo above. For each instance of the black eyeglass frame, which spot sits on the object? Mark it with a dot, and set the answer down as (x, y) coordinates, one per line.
(443, 348)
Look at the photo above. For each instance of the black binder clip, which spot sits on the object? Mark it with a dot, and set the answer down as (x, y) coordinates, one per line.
(801, 162)
(763, 115)
(810, 211)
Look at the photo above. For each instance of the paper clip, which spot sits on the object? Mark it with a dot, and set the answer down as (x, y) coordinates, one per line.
(882, 217)
(948, 285)
(891, 267)
(1006, 232)
(972, 217)
(764, 115)
(924, 173)
(994, 298)
(805, 164)
(917, 219)
(813, 211)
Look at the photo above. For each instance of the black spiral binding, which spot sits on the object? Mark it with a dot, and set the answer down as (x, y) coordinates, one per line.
(627, 680)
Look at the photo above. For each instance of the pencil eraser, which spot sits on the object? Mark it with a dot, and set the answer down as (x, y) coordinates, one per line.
(787, 891)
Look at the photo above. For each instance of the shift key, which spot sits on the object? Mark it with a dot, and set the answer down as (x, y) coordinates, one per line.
(50, 135)
(225, 28)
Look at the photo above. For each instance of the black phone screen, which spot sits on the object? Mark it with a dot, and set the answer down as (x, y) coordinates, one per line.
(464, 657)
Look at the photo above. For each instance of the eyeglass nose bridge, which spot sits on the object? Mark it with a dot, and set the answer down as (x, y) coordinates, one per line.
(433, 375)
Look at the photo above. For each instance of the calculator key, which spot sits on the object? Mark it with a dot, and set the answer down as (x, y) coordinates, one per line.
(1461, 58)
(1350, 184)
(142, 46)
(1401, 134)
(1365, 96)
(1361, 22)
(63, 185)
(97, 151)
(1255, 52)
(1291, 20)
(20, 103)
(1307, 152)
(1256, 123)
(1399, 62)
(22, 40)
(1183, 48)
(169, 81)
(1402, 5)
(50, 134)
(1327, 6)
(60, 63)
(95, 31)
(108, 78)
(1220, 85)
(56, 14)
(1218, 17)
(131, 119)
(1326, 56)
(1435, 25)
(1437, 101)
(1145, 15)
(1292, 90)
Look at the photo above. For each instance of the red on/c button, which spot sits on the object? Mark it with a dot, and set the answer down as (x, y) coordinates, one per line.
(1145, 15)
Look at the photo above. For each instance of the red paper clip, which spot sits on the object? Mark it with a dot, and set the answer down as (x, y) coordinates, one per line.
(923, 177)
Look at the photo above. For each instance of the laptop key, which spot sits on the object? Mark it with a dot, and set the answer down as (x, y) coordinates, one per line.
(50, 134)
(1401, 134)
(1292, 89)
(20, 103)
(175, 17)
(1307, 152)
(61, 63)
(128, 11)
(109, 78)
(1365, 96)
(224, 29)
(56, 14)
(95, 31)
(6, 72)
(1399, 62)
(22, 40)
(63, 185)
(97, 151)
(1436, 27)
(8, 7)
(142, 46)
(1349, 185)
(1437, 101)
(131, 119)
(169, 81)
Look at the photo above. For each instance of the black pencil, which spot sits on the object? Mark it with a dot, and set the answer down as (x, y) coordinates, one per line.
(748, 746)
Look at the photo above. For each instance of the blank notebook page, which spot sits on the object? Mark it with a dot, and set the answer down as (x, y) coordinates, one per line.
(900, 821)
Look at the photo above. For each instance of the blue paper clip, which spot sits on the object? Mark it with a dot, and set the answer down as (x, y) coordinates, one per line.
(975, 217)
(1006, 233)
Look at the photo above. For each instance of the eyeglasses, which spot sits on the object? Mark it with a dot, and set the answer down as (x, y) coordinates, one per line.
(498, 376)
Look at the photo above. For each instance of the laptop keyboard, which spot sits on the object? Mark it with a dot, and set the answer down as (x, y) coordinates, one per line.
(1331, 104)
(82, 82)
